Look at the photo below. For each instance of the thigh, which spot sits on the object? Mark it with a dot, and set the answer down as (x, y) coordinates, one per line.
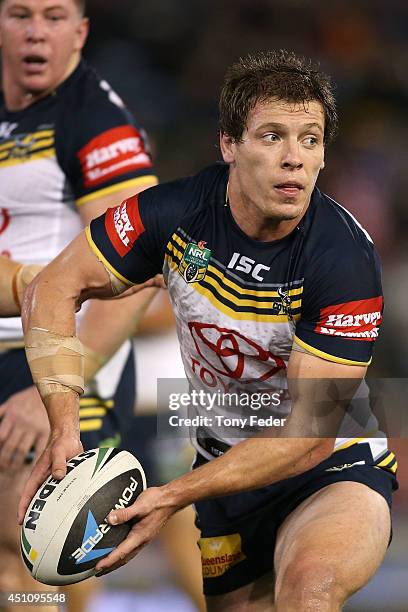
(344, 527)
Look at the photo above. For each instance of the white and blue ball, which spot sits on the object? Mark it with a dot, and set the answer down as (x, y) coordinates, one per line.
(64, 533)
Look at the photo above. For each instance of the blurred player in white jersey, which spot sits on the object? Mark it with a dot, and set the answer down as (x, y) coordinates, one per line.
(68, 150)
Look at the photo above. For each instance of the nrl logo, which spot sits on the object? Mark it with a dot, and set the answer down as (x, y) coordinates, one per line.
(193, 266)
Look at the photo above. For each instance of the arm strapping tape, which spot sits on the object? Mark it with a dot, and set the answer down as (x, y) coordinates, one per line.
(56, 362)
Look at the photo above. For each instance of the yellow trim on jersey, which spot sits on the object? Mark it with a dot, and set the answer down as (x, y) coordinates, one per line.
(103, 259)
(392, 469)
(179, 241)
(29, 158)
(43, 134)
(272, 293)
(241, 316)
(148, 179)
(95, 401)
(241, 301)
(327, 356)
(174, 250)
(91, 425)
(238, 316)
(36, 135)
(226, 281)
(91, 412)
(387, 460)
(27, 154)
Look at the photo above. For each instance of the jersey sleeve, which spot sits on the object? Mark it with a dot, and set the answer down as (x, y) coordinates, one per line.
(131, 239)
(342, 305)
(106, 150)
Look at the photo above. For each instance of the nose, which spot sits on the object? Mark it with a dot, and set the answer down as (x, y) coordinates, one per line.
(36, 29)
(291, 158)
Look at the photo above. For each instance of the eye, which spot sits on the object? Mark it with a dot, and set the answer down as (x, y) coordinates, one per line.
(19, 15)
(311, 141)
(270, 137)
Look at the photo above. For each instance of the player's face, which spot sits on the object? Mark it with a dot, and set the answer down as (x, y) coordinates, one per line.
(41, 41)
(274, 169)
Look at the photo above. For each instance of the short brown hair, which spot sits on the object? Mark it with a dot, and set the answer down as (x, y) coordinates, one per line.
(279, 75)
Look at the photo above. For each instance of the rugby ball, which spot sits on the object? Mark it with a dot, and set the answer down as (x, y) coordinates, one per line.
(64, 533)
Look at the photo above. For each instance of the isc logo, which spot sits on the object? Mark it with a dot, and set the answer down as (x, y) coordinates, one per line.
(247, 265)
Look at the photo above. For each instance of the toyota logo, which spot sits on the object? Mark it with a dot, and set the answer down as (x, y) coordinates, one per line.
(231, 354)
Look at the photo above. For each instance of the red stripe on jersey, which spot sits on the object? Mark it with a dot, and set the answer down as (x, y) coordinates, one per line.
(357, 320)
(124, 225)
(113, 153)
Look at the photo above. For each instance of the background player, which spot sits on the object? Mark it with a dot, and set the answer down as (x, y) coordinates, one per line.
(68, 150)
(258, 216)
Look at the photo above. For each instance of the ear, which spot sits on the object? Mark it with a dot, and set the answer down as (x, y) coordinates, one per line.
(227, 146)
(82, 33)
(323, 163)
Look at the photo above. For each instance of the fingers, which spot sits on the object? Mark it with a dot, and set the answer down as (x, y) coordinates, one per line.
(137, 510)
(117, 517)
(58, 461)
(39, 473)
(122, 553)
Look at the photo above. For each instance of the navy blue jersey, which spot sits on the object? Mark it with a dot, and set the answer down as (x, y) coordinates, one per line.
(240, 303)
(323, 281)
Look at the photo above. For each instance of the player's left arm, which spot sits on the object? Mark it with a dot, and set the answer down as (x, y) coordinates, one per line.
(251, 464)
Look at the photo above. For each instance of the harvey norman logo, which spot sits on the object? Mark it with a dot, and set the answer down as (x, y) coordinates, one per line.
(359, 319)
(124, 225)
(113, 153)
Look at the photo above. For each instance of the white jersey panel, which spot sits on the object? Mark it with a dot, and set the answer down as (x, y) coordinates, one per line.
(40, 218)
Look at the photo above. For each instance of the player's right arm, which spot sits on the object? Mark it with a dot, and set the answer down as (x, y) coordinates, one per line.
(48, 317)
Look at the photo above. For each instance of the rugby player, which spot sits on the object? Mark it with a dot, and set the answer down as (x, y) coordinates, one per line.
(270, 280)
(69, 149)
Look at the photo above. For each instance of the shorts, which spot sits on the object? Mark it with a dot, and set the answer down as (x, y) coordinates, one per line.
(238, 532)
(101, 420)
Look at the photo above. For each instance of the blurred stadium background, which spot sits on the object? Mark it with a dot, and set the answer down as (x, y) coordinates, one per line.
(167, 58)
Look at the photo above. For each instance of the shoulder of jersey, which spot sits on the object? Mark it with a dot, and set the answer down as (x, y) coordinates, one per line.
(90, 90)
(191, 193)
(334, 227)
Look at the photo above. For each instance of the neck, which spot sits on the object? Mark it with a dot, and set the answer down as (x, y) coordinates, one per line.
(254, 223)
(18, 98)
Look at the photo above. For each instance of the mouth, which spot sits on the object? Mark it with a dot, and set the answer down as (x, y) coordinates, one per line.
(34, 63)
(289, 188)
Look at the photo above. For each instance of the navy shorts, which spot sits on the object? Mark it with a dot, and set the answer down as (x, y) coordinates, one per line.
(238, 532)
(103, 422)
